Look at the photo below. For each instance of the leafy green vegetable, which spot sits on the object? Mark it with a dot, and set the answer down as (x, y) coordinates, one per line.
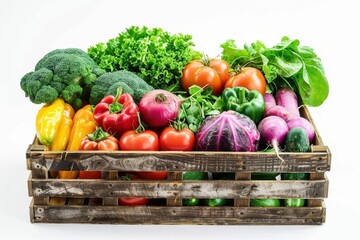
(196, 107)
(287, 64)
(153, 54)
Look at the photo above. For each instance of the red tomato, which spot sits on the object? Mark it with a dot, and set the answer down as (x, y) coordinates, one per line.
(90, 175)
(147, 140)
(250, 78)
(109, 143)
(154, 175)
(174, 140)
(133, 201)
(144, 141)
(222, 69)
(196, 73)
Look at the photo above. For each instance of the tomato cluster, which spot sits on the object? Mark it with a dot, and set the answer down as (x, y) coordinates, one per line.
(216, 73)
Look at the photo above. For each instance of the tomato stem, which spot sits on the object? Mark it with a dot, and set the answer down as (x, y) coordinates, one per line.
(140, 128)
(98, 135)
(256, 62)
(206, 60)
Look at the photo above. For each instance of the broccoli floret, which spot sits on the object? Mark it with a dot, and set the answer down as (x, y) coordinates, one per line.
(108, 83)
(36, 86)
(66, 73)
(125, 89)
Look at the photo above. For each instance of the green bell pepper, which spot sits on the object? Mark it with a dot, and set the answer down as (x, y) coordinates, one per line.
(241, 100)
(294, 202)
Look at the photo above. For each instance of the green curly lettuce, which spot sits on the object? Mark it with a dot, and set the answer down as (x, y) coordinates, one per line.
(154, 55)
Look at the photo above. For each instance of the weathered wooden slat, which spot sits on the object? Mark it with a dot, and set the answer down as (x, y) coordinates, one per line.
(40, 175)
(242, 202)
(109, 200)
(180, 161)
(174, 200)
(183, 189)
(178, 215)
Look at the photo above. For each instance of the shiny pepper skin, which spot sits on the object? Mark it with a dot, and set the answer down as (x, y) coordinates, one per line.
(118, 114)
(48, 120)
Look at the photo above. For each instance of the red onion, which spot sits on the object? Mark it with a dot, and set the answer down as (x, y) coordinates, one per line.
(158, 107)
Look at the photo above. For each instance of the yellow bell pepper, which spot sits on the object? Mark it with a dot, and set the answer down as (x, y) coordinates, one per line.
(62, 135)
(48, 120)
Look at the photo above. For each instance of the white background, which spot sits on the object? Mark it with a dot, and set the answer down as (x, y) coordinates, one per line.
(30, 29)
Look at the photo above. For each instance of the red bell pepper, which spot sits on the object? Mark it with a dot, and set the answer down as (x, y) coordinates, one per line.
(117, 114)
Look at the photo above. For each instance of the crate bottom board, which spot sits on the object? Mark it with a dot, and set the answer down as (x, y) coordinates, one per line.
(167, 215)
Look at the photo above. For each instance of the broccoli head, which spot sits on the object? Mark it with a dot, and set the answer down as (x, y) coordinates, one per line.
(66, 73)
(108, 83)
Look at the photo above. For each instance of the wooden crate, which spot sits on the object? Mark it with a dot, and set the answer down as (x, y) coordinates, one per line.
(71, 201)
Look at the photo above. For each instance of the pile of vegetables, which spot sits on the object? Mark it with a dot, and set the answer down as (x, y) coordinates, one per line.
(148, 90)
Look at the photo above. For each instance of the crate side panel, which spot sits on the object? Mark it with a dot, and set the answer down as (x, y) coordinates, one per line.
(182, 189)
(177, 215)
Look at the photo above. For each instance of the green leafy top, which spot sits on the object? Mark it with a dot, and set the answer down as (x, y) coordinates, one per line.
(197, 105)
(285, 64)
(153, 54)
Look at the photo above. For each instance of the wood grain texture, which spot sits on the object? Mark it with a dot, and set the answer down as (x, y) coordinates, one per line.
(242, 202)
(182, 189)
(175, 199)
(178, 215)
(180, 161)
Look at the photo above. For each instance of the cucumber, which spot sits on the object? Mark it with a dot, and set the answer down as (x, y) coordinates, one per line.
(193, 176)
(215, 202)
(190, 202)
(294, 202)
(297, 140)
(294, 176)
(265, 202)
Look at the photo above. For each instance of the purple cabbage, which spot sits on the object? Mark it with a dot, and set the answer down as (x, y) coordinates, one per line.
(228, 131)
